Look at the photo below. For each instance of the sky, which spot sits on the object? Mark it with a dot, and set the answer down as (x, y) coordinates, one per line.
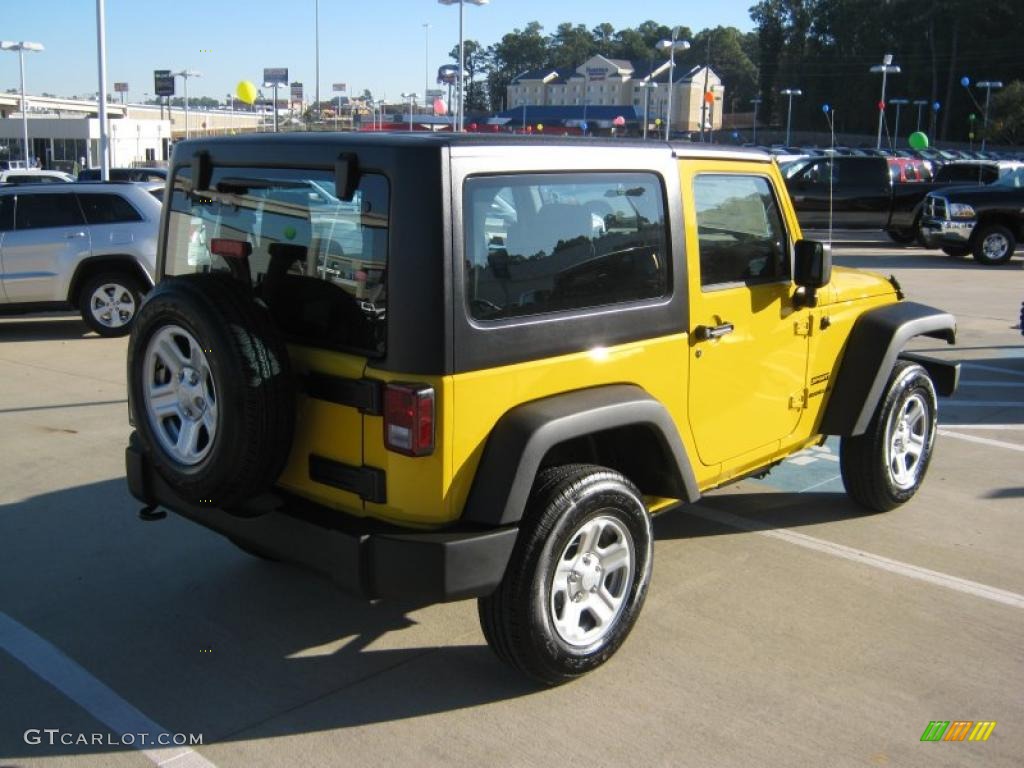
(376, 44)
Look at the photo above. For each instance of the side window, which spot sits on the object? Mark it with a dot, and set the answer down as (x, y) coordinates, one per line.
(543, 243)
(47, 210)
(107, 209)
(740, 231)
(819, 172)
(6, 213)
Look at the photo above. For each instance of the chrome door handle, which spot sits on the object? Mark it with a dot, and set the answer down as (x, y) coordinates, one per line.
(73, 235)
(706, 332)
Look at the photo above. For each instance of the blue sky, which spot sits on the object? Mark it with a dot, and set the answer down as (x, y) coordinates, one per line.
(369, 44)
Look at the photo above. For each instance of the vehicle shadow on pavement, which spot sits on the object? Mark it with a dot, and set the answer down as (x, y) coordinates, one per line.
(917, 258)
(717, 513)
(38, 329)
(203, 638)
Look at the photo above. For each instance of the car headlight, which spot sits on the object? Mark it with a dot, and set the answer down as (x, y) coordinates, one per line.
(960, 211)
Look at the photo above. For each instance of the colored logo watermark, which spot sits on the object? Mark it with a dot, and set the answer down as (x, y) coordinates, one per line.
(958, 730)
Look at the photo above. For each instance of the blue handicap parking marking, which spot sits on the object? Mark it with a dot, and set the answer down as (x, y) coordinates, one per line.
(812, 469)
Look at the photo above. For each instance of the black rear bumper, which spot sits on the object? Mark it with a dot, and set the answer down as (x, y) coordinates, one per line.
(365, 557)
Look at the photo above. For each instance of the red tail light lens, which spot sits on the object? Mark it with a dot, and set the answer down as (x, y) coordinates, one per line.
(230, 249)
(409, 419)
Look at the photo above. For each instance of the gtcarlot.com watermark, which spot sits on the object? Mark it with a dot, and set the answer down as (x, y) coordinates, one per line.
(55, 736)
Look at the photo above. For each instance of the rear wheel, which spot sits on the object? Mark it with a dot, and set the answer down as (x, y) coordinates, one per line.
(109, 302)
(885, 466)
(993, 244)
(211, 390)
(577, 577)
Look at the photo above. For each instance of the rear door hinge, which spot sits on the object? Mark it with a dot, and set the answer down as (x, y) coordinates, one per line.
(804, 326)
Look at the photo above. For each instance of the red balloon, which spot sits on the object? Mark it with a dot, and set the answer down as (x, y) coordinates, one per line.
(881, 105)
(709, 96)
(440, 107)
(471, 127)
(620, 120)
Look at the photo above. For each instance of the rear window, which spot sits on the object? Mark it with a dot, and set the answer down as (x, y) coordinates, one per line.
(105, 208)
(317, 262)
(550, 242)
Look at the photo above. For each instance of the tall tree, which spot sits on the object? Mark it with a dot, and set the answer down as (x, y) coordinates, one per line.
(517, 52)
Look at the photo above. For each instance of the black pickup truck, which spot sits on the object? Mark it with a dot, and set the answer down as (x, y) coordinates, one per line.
(862, 194)
(987, 222)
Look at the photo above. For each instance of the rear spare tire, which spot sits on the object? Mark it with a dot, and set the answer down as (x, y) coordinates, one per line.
(211, 389)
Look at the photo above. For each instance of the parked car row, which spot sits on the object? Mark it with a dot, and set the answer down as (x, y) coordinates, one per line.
(43, 176)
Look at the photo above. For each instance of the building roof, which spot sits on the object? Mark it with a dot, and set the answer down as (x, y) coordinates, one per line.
(555, 114)
(656, 70)
(556, 75)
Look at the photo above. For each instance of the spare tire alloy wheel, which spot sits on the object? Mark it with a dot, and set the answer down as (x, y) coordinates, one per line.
(180, 395)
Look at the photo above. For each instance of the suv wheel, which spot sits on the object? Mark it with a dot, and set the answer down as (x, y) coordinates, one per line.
(886, 465)
(577, 577)
(994, 244)
(211, 390)
(109, 302)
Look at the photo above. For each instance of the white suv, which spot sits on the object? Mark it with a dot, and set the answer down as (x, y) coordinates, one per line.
(87, 245)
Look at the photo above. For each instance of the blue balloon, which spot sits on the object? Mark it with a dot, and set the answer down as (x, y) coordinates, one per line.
(935, 106)
(583, 126)
(825, 108)
(965, 81)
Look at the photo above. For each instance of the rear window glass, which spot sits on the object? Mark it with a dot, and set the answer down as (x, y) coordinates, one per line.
(548, 242)
(103, 208)
(318, 263)
(41, 211)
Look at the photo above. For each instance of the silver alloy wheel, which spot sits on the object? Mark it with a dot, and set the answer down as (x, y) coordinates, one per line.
(592, 580)
(180, 395)
(995, 246)
(909, 430)
(112, 305)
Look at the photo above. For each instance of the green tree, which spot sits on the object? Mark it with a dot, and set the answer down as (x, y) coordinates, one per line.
(1007, 115)
(517, 52)
(475, 63)
(571, 45)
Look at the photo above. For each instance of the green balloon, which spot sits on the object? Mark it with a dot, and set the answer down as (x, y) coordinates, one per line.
(289, 233)
(918, 140)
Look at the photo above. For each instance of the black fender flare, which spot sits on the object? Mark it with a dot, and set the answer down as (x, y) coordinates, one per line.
(876, 341)
(522, 437)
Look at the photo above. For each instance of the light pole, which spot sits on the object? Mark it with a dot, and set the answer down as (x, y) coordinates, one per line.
(426, 63)
(756, 102)
(886, 68)
(790, 92)
(9, 45)
(988, 85)
(412, 98)
(671, 46)
(316, 93)
(647, 85)
(461, 113)
(896, 130)
(274, 86)
(920, 104)
(185, 74)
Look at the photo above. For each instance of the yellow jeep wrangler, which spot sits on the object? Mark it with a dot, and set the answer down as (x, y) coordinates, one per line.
(437, 367)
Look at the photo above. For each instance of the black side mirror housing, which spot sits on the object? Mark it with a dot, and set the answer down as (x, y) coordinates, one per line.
(346, 176)
(812, 268)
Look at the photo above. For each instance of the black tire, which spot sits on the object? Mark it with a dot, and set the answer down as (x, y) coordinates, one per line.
(248, 378)
(902, 236)
(956, 251)
(870, 469)
(122, 293)
(993, 244)
(519, 619)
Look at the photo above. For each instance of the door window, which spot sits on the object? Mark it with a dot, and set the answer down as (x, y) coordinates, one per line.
(6, 213)
(739, 230)
(47, 210)
(107, 209)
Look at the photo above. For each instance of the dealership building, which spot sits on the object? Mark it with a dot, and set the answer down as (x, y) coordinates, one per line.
(605, 82)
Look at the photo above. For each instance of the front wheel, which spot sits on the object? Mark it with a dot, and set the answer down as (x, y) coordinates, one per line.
(993, 244)
(109, 302)
(885, 466)
(577, 578)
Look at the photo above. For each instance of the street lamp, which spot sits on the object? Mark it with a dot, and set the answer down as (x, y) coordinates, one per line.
(185, 74)
(10, 45)
(426, 63)
(316, 24)
(412, 99)
(461, 114)
(671, 46)
(920, 104)
(896, 130)
(756, 102)
(886, 68)
(790, 92)
(988, 85)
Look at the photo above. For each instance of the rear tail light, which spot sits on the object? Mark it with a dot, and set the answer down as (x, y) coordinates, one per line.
(230, 249)
(409, 419)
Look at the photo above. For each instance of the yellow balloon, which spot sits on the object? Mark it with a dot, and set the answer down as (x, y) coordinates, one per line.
(540, 126)
(246, 91)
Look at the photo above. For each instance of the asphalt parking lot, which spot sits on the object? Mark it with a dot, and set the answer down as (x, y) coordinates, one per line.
(783, 627)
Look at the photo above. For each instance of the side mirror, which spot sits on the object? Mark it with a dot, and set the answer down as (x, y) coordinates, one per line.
(346, 176)
(812, 268)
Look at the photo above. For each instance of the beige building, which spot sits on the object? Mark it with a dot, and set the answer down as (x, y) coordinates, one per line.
(601, 81)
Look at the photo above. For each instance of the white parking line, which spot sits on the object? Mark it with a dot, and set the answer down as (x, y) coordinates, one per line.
(55, 667)
(983, 440)
(965, 586)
